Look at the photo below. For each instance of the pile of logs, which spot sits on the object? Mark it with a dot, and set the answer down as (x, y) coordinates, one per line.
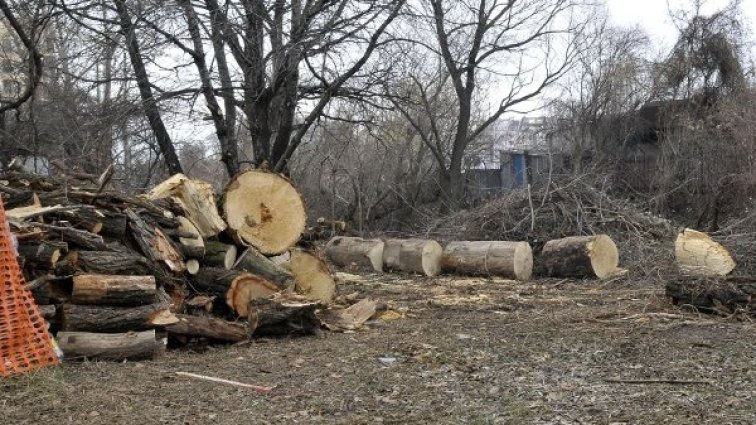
(118, 276)
(578, 256)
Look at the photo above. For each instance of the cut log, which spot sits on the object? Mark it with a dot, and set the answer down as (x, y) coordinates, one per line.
(154, 244)
(88, 219)
(252, 261)
(722, 295)
(97, 318)
(313, 278)
(218, 254)
(350, 318)
(42, 254)
(101, 346)
(580, 257)
(192, 245)
(80, 238)
(512, 260)
(697, 254)
(209, 327)
(236, 287)
(264, 210)
(114, 225)
(366, 254)
(283, 314)
(413, 255)
(106, 262)
(114, 290)
(192, 266)
(200, 305)
(196, 199)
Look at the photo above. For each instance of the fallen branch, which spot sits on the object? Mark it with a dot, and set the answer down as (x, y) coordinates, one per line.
(259, 388)
(655, 381)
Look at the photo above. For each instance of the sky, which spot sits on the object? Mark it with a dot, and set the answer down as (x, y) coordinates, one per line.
(653, 15)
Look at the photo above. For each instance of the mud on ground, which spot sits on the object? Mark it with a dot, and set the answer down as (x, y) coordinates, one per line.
(448, 351)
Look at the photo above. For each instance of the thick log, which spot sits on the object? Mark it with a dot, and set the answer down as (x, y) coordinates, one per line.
(218, 254)
(413, 255)
(80, 238)
(84, 218)
(697, 254)
(97, 318)
(253, 261)
(196, 199)
(209, 327)
(313, 278)
(366, 254)
(114, 290)
(102, 346)
(108, 262)
(264, 210)
(580, 256)
(42, 254)
(723, 295)
(512, 260)
(283, 314)
(236, 287)
(154, 244)
(114, 225)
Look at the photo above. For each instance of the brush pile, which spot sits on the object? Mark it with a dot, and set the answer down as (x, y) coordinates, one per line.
(117, 274)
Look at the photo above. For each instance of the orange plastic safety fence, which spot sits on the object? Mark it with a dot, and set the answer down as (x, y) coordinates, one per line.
(25, 344)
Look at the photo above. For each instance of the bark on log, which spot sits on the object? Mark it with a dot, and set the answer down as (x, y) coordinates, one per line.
(413, 255)
(697, 254)
(97, 318)
(236, 287)
(114, 290)
(104, 262)
(209, 327)
(580, 256)
(88, 219)
(512, 260)
(366, 254)
(253, 261)
(191, 243)
(114, 226)
(218, 254)
(73, 236)
(264, 210)
(196, 199)
(101, 346)
(154, 244)
(723, 295)
(313, 278)
(42, 254)
(283, 315)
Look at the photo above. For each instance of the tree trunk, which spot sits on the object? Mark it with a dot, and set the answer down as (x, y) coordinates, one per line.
(356, 252)
(97, 318)
(512, 260)
(413, 255)
(252, 261)
(264, 210)
(113, 290)
(209, 327)
(580, 257)
(100, 346)
(149, 104)
(697, 254)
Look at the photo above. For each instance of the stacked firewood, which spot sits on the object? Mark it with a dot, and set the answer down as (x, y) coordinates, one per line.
(117, 275)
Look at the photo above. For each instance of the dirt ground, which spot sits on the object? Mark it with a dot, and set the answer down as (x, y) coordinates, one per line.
(449, 351)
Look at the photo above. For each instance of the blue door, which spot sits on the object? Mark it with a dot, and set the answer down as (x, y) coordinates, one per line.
(519, 169)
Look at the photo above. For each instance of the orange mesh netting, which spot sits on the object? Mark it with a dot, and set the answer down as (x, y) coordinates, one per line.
(24, 341)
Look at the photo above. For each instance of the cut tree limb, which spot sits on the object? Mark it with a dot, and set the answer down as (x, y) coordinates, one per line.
(196, 199)
(413, 255)
(362, 253)
(283, 314)
(513, 260)
(102, 346)
(209, 327)
(113, 290)
(264, 210)
(580, 256)
(218, 254)
(253, 261)
(698, 254)
(97, 318)
(236, 287)
(154, 244)
(313, 278)
(43, 254)
(723, 295)
(191, 243)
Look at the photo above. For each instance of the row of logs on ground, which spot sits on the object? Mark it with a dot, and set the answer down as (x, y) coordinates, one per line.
(120, 276)
(576, 256)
